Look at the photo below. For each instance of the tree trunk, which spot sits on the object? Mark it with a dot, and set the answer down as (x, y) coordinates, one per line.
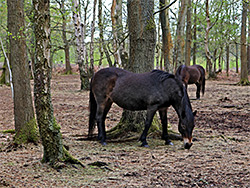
(142, 45)
(167, 43)
(195, 35)
(180, 42)
(100, 25)
(68, 69)
(237, 57)
(243, 55)
(188, 35)
(115, 29)
(25, 123)
(227, 59)
(53, 150)
(80, 47)
(91, 68)
(6, 77)
(206, 41)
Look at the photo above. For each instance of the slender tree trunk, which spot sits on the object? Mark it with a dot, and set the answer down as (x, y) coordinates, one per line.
(188, 35)
(237, 57)
(115, 29)
(100, 25)
(206, 41)
(91, 68)
(80, 46)
(248, 42)
(227, 59)
(243, 56)
(64, 37)
(166, 37)
(194, 35)
(25, 123)
(180, 42)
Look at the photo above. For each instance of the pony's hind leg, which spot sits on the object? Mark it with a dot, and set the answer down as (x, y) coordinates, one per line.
(102, 111)
(164, 122)
(198, 91)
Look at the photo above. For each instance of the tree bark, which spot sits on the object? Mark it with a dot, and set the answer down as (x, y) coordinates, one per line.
(188, 35)
(243, 56)
(100, 25)
(167, 43)
(227, 59)
(142, 45)
(194, 34)
(53, 150)
(115, 29)
(68, 69)
(80, 46)
(25, 123)
(180, 42)
(91, 68)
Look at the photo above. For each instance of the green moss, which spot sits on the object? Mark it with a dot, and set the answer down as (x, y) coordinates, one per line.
(12, 131)
(28, 133)
(244, 82)
(150, 24)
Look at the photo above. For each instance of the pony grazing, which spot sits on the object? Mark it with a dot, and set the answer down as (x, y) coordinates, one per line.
(194, 74)
(152, 91)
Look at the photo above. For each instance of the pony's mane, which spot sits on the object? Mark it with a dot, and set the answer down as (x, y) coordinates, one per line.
(161, 75)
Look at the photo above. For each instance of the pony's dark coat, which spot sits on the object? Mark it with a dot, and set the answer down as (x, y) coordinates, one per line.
(194, 74)
(152, 91)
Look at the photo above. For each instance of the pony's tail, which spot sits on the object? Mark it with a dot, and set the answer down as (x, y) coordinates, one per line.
(92, 114)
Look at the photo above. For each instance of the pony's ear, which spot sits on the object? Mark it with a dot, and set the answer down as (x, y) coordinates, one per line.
(194, 113)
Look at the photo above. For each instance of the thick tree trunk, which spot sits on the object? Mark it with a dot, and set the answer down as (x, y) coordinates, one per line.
(243, 55)
(25, 123)
(142, 45)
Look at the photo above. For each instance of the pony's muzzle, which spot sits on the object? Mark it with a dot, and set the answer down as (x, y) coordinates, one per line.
(187, 143)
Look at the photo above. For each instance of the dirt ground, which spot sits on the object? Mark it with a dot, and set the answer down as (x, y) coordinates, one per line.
(219, 157)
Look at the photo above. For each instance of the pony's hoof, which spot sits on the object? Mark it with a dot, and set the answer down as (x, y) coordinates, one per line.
(104, 143)
(169, 143)
(145, 145)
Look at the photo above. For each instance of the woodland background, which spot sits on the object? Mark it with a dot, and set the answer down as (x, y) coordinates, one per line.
(51, 49)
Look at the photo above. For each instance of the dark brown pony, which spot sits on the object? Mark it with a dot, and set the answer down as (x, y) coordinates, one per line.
(194, 74)
(152, 91)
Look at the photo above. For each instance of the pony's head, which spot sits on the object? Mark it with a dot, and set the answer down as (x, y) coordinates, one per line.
(186, 120)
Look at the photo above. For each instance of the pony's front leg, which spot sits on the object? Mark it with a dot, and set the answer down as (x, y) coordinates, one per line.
(148, 122)
(164, 122)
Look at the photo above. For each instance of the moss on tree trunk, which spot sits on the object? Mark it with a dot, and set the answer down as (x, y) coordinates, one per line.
(27, 133)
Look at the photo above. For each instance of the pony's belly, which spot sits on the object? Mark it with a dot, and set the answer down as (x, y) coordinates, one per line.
(129, 104)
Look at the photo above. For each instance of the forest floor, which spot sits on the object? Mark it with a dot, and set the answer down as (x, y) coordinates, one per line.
(219, 157)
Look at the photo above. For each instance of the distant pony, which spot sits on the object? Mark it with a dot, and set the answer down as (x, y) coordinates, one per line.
(194, 74)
